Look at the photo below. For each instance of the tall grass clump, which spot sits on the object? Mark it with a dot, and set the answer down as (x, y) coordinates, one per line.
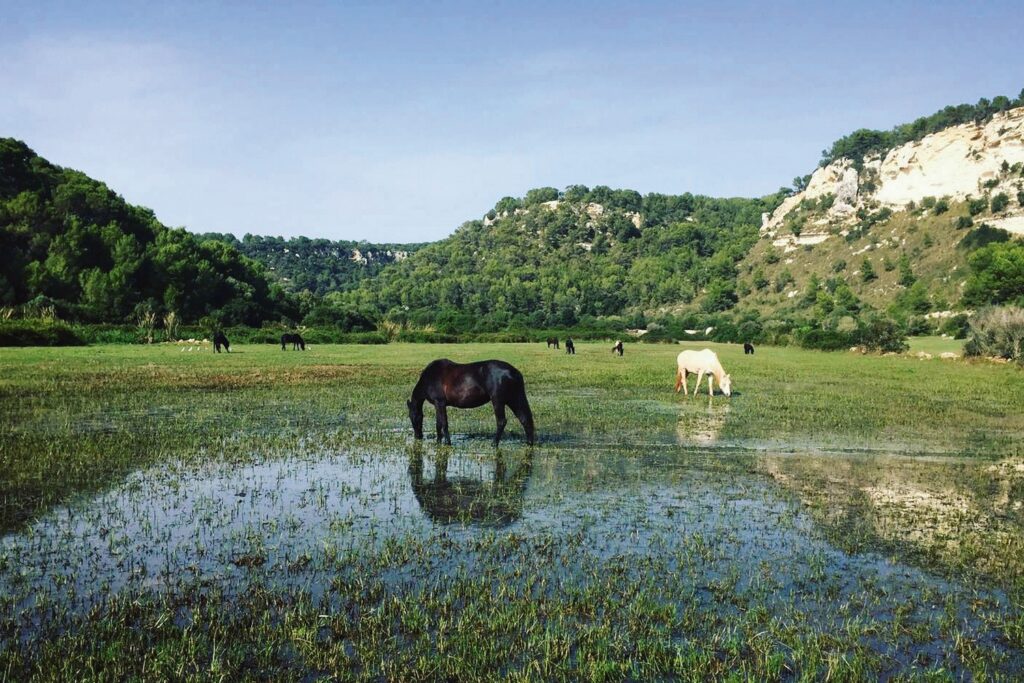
(999, 332)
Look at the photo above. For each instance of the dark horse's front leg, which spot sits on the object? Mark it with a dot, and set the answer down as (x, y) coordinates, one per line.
(441, 411)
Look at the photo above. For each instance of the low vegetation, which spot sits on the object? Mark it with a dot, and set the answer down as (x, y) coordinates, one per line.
(785, 532)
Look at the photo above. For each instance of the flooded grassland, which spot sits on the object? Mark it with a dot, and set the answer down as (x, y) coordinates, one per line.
(267, 514)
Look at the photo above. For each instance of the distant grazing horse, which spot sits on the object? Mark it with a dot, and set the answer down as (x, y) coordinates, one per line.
(617, 347)
(219, 340)
(552, 341)
(294, 339)
(701, 363)
(748, 349)
(470, 385)
(570, 348)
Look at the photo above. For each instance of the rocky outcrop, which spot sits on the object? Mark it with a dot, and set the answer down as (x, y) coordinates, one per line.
(969, 160)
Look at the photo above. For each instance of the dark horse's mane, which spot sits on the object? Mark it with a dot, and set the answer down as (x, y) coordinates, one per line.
(445, 383)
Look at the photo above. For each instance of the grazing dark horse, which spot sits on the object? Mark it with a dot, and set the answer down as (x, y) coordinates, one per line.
(570, 348)
(617, 348)
(219, 340)
(294, 339)
(748, 349)
(552, 341)
(470, 385)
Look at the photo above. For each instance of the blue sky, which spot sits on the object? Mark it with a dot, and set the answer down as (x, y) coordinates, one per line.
(399, 121)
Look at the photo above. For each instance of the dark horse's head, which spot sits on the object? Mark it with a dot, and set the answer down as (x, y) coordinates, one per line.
(416, 417)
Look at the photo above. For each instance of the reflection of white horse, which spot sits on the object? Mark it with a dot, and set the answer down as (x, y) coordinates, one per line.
(701, 363)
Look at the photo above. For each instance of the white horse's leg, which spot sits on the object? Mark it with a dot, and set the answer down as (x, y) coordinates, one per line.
(711, 390)
(679, 380)
(700, 377)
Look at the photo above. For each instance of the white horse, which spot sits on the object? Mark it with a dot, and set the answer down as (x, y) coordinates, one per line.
(701, 363)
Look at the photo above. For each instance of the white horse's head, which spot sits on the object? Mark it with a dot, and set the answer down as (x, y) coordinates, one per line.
(726, 385)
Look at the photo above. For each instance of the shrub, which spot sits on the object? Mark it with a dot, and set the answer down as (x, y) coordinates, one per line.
(976, 206)
(957, 327)
(38, 333)
(997, 331)
(963, 222)
(881, 334)
(822, 340)
(1000, 202)
(941, 207)
(867, 271)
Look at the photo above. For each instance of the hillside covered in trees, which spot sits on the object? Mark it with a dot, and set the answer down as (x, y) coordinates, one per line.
(319, 266)
(71, 244)
(558, 259)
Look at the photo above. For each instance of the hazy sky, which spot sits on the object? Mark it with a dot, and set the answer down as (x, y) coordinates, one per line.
(398, 121)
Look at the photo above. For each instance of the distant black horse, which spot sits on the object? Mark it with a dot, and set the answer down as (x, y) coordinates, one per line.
(552, 341)
(617, 348)
(570, 348)
(748, 349)
(219, 340)
(470, 385)
(294, 339)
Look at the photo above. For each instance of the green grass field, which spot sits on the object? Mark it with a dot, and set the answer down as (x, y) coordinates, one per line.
(936, 345)
(183, 514)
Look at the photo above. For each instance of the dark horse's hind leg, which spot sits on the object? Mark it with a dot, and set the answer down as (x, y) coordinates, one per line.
(522, 411)
(499, 417)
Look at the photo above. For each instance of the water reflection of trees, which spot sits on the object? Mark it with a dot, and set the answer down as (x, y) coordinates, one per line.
(447, 498)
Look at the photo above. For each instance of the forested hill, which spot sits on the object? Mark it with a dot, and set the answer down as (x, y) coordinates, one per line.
(68, 243)
(320, 266)
(555, 259)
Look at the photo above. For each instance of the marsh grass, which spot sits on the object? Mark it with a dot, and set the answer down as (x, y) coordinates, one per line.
(176, 515)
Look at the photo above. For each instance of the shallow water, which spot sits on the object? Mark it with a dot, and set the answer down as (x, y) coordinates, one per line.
(725, 530)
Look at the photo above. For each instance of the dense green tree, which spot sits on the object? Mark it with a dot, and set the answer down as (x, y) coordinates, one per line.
(997, 275)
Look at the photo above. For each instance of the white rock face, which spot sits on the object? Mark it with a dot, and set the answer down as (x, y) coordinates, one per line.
(953, 163)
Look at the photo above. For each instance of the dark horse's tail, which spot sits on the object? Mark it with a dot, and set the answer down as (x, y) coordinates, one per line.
(525, 417)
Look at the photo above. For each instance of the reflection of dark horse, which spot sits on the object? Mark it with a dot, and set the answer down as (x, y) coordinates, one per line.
(447, 499)
(552, 341)
(748, 349)
(570, 348)
(471, 385)
(219, 340)
(617, 348)
(294, 339)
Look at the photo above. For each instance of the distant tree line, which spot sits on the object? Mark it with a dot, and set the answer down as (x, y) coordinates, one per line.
(319, 266)
(866, 142)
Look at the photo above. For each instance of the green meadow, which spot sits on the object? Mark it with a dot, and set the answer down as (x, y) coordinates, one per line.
(169, 512)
